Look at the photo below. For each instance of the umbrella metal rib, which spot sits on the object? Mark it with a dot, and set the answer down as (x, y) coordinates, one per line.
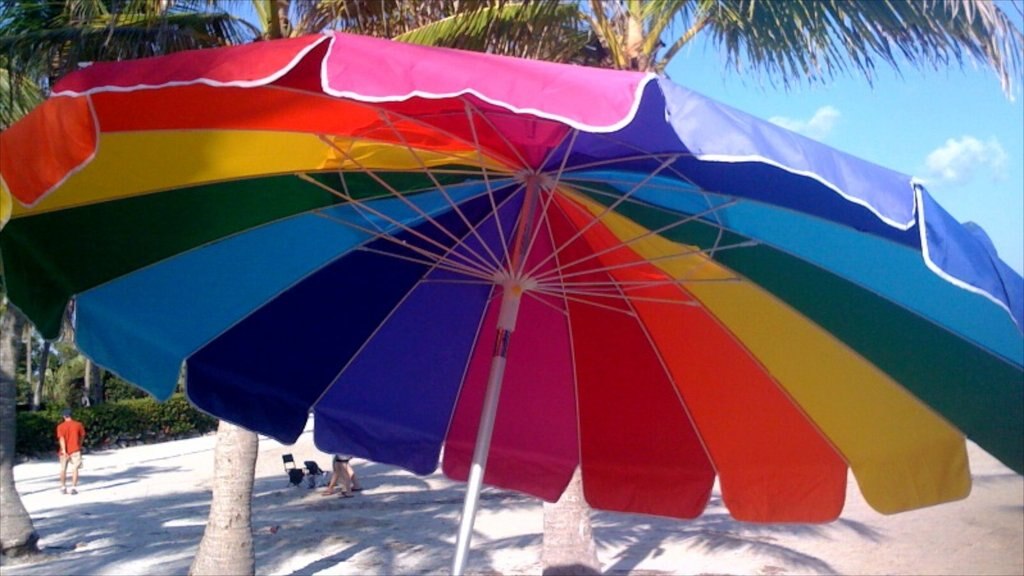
(485, 187)
(539, 190)
(543, 280)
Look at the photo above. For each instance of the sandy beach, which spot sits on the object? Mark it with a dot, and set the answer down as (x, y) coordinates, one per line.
(141, 510)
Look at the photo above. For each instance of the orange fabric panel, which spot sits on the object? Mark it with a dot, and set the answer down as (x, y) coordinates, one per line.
(774, 464)
(56, 138)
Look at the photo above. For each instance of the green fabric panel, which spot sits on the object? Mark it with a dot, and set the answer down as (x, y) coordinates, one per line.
(361, 185)
(52, 256)
(981, 394)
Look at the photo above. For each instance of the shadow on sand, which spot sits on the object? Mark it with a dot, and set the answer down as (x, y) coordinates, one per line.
(297, 531)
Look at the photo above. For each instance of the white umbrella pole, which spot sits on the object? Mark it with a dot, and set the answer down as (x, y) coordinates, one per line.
(506, 324)
(512, 293)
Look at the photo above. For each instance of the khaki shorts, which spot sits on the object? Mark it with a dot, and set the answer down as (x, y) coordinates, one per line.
(74, 459)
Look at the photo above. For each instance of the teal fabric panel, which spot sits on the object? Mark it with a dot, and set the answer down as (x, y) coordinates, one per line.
(142, 326)
(884, 267)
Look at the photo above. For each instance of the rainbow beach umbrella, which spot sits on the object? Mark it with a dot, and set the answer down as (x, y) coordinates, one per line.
(526, 267)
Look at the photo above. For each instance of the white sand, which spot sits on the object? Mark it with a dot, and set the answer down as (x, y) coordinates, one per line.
(142, 510)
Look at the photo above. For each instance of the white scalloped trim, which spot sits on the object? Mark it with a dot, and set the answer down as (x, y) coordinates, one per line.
(206, 81)
(618, 125)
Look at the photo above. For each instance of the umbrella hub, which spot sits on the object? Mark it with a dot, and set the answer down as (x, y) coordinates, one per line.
(512, 283)
(513, 286)
(535, 180)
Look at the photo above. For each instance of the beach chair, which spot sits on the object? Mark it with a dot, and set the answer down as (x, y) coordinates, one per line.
(314, 473)
(295, 474)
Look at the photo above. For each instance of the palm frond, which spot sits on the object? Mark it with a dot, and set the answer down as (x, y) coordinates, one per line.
(545, 30)
(45, 39)
(20, 94)
(818, 39)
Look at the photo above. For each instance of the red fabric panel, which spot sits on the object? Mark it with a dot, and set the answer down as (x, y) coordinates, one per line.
(253, 63)
(425, 124)
(517, 139)
(639, 450)
(774, 465)
(204, 107)
(534, 448)
(58, 137)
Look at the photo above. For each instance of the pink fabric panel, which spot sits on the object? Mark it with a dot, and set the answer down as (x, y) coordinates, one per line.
(247, 64)
(375, 69)
(534, 448)
(516, 140)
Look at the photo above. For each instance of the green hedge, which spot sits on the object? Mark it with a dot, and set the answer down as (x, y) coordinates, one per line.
(127, 422)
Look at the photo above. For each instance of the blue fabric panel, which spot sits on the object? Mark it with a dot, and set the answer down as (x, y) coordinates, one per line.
(142, 326)
(668, 121)
(772, 165)
(966, 253)
(891, 270)
(394, 402)
(707, 127)
(266, 372)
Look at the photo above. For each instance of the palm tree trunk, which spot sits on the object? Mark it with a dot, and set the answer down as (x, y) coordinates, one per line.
(17, 534)
(226, 547)
(568, 538)
(37, 386)
(279, 25)
(93, 383)
(27, 331)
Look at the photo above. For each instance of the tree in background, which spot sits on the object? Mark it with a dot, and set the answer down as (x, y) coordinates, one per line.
(785, 41)
(17, 533)
(791, 41)
(493, 26)
(812, 40)
(226, 547)
(40, 40)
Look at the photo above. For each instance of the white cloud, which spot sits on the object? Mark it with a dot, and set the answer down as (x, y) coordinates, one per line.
(817, 126)
(959, 159)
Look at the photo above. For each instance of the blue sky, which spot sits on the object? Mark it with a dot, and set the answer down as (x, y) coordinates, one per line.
(955, 129)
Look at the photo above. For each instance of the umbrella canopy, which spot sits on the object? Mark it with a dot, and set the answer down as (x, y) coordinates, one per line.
(436, 251)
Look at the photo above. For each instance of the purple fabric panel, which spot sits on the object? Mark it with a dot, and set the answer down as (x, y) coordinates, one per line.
(673, 120)
(393, 403)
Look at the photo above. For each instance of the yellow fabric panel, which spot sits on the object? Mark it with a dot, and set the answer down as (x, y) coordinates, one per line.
(354, 155)
(132, 163)
(903, 455)
(5, 204)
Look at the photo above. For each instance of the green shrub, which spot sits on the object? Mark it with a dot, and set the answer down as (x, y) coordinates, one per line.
(36, 433)
(132, 421)
(178, 418)
(107, 423)
(116, 389)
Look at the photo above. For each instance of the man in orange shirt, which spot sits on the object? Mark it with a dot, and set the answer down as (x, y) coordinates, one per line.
(70, 434)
